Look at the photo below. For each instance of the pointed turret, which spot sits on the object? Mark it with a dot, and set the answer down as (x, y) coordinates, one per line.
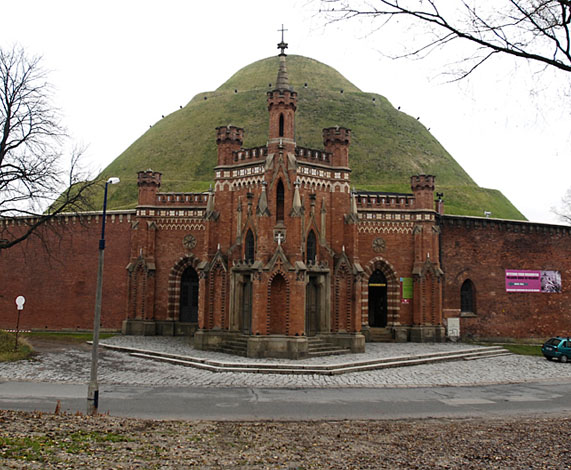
(262, 208)
(282, 82)
(296, 209)
(282, 103)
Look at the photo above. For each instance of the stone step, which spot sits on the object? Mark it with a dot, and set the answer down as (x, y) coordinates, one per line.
(328, 352)
(236, 346)
(233, 351)
(318, 347)
(237, 343)
(319, 369)
(380, 335)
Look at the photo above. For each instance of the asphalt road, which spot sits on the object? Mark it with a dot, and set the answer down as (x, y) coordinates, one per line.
(294, 404)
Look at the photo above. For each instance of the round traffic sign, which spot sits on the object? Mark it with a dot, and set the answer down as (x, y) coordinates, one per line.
(20, 300)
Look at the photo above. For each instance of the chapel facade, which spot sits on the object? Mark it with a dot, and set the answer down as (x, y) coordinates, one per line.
(281, 258)
(281, 254)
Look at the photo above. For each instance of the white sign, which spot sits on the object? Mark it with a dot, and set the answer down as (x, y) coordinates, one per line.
(20, 301)
(453, 325)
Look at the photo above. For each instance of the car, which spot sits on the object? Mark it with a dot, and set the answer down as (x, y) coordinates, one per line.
(557, 348)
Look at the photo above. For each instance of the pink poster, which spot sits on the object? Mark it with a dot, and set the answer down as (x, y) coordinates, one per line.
(520, 280)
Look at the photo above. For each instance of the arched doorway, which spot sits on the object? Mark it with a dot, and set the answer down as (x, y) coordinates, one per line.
(278, 305)
(312, 306)
(189, 296)
(377, 300)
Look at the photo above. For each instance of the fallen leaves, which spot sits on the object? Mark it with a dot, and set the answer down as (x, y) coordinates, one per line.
(44, 441)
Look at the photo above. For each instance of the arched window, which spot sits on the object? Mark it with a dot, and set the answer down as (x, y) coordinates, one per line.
(311, 247)
(280, 202)
(281, 125)
(249, 247)
(468, 297)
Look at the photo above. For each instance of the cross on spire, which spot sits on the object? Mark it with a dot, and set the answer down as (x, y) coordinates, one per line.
(282, 31)
(282, 45)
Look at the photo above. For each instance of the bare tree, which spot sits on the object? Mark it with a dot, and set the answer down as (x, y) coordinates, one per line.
(33, 180)
(564, 209)
(536, 30)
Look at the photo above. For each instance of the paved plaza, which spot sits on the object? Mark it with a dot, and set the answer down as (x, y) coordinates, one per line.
(71, 365)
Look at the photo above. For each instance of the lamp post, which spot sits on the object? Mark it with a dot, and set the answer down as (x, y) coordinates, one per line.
(93, 388)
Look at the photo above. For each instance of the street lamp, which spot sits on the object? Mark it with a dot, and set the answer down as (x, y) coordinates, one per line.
(93, 388)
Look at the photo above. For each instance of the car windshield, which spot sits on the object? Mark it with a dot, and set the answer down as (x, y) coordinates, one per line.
(553, 342)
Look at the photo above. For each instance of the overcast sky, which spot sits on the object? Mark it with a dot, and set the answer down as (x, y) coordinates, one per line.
(119, 65)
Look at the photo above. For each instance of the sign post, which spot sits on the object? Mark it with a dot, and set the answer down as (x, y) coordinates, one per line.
(20, 301)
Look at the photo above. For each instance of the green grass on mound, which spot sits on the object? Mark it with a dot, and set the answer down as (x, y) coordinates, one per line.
(387, 148)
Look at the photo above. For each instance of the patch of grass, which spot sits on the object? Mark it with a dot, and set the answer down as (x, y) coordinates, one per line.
(72, 337)
(7, 345)
(28, 448)
(80, 441)
(39, 448)
(524, 349)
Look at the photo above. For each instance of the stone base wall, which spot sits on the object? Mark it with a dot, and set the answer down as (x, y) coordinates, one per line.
(157, 328)
(427, 334)
(353, 341)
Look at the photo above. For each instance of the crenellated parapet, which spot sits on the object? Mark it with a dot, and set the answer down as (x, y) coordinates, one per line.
(229, 140)
(229, 134)
(336, 134)
(149, 182)
(254, 153)
(315, 156)
(336, 141)
(423, 189)
(422, 182)
(385, 200)
(286, 99)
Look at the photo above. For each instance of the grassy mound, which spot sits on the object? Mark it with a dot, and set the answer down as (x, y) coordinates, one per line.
(387, 147)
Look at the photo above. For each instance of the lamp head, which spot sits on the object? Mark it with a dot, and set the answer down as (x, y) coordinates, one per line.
(113, 180)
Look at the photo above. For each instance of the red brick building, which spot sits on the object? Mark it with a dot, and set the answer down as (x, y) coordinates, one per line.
(281, 251)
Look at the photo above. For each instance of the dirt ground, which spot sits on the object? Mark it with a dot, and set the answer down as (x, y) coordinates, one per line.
(49, 344)
(49, 441)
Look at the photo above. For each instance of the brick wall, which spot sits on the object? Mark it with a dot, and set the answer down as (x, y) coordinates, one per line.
(481, 250)
(57, 275)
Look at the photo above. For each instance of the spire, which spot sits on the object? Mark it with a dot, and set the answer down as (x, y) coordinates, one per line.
(354, 203)
(353, 216)
(282, 82)
(210, 210)
(296, 210)
(262, 208)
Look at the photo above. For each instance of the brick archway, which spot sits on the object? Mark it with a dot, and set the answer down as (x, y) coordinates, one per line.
(278, 304)
(393, 290)
(138, 277)
(174, 283)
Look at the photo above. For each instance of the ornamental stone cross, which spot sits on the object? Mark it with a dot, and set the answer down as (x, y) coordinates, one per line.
(279, 238)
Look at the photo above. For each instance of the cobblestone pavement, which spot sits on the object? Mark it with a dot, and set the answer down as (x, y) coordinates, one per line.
(72, 366)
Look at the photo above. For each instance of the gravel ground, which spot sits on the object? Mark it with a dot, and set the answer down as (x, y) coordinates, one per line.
(70, 364)
(60, 441)
(46, 441)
